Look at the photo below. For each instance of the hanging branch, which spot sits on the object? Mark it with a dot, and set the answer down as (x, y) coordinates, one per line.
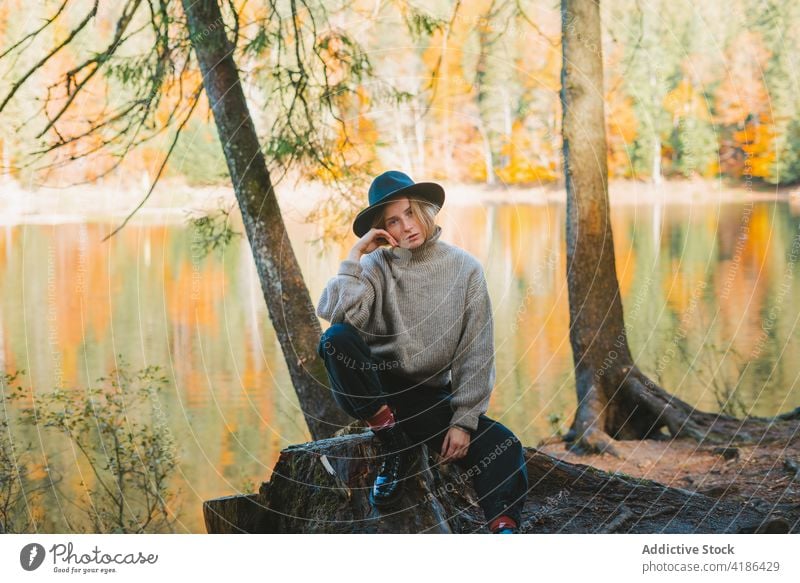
(306, 97)
(95, 61)
(21, 81)
(195, 101)
(33, 34)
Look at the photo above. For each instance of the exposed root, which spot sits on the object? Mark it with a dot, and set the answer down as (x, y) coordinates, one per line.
(626, 404)
(587, 433)
(594, 440)
(683, 420)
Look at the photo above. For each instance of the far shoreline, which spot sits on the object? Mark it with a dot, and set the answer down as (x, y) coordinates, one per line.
(173, 200)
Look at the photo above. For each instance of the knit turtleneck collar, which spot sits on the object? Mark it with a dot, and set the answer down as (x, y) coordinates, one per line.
(421, 253)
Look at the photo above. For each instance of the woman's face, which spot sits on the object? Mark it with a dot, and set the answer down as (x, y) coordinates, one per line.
(402, 224)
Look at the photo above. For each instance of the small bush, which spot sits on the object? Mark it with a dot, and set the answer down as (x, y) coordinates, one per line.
(131, 460)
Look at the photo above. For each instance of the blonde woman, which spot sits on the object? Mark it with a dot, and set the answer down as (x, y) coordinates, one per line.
(410, 349)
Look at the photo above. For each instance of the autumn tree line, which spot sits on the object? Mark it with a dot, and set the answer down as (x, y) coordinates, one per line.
(464, 91)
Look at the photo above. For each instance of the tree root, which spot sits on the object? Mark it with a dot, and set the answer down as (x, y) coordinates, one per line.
(629, 405)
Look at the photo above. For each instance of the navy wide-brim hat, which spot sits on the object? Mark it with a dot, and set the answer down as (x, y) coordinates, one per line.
(389, 186)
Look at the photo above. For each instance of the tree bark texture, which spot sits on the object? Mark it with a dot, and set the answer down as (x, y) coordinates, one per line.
(322, 487)
(615, 399)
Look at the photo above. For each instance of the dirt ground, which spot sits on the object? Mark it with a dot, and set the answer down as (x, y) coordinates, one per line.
(766, 475)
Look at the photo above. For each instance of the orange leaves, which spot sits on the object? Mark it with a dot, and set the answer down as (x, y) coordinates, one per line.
(742, 91)
(757, 142)
(525, 165)
(333, 52)
(357, 137)
(686, 101)
(621, 130)
(176, 94)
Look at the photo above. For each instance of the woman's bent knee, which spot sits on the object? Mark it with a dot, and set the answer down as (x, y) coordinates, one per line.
(497, 437)
(340, 330)
(336, 335)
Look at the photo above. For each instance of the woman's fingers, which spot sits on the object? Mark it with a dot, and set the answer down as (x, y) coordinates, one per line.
(374, 239)
(455, 445)
(446, 446)
(462, 443)
(389, 237)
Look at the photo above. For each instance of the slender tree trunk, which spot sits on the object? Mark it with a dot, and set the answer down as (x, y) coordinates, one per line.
(508, 125)
(650, 15)
(481, 98)
(402, 143)
(419, 136)
(615, 399)
(488, 159)
(290, 307)
(656, 168)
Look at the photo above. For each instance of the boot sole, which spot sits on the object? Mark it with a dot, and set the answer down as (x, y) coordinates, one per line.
(388, 504)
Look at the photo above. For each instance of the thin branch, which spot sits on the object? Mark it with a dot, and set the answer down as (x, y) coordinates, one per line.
(235, 13)
(31, 35)
(109, 120)
(38, 65)
(434, 84)
(535, 26)
(196, 100)
(634, 51)
(122, 24)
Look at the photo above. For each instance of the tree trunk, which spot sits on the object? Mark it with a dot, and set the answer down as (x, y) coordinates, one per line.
(488, 158)
(400, 138)
(655, 169)
(481, 99)
(322, 487)
(419, 136)
(615, 399)
(290, 308)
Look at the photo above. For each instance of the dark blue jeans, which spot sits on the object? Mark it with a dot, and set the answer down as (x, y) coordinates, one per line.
(361, 385)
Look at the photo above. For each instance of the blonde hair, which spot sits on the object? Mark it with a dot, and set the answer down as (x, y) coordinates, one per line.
(423, 211)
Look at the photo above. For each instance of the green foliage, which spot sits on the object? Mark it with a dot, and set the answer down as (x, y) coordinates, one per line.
(786, 166)
(13, 516)
(198, 155)
(129, 72)
(326, 99)
(694, 147)
(131, 460)
(312, 79)
(421, 24)
(258, 43)
(555, 420)
(649, 67)
(212, 232)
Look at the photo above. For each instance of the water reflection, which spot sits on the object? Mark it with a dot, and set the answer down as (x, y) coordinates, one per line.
(708, 295)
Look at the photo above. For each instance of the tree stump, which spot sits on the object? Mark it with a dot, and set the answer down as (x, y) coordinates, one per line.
(323, 486)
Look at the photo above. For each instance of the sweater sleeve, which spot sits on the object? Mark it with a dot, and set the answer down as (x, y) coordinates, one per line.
(472, 370)
(348, 296)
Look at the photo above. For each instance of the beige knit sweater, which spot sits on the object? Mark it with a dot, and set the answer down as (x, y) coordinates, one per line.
(426, 314)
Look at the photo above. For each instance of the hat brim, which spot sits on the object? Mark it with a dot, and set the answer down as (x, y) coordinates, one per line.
(427, 191)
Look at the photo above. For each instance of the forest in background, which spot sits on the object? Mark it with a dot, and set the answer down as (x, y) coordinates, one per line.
(691, 89)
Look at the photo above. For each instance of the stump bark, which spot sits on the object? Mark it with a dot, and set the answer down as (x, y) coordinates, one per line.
(322, 487)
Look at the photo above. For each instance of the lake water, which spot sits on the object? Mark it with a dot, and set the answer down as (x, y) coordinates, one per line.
(709, 295)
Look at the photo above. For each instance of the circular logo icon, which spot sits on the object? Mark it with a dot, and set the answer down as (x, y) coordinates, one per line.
(31, 556)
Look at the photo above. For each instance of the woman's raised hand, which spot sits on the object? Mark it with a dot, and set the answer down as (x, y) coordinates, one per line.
(373, 239)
